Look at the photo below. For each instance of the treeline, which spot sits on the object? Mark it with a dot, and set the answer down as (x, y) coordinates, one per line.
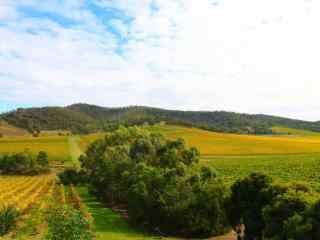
(84, 118)
(162, 186)
(24, 163)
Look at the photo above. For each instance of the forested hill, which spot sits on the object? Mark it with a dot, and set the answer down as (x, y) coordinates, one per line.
(85, 118)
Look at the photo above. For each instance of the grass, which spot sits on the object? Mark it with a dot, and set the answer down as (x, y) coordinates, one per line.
(109, 225)
(222, 144)
(75, 150)
(57, 147)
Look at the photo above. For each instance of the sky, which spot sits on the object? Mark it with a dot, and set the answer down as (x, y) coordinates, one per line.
(253, 56)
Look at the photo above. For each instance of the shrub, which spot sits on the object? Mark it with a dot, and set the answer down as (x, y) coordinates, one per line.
(66, 223)
(70, 176)
(24, 163)
(8, 218)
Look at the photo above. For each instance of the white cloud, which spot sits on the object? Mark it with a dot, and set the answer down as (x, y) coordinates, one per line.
(252, 56)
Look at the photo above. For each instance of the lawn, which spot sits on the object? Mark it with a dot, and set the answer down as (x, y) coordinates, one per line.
(109, 225)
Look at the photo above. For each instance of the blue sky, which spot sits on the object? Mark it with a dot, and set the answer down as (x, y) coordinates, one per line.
(251, 56)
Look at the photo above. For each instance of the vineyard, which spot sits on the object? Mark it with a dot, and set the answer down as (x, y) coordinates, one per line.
(23, 192)
(33, 196)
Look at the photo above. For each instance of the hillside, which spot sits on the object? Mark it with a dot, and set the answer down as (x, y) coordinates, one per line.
(86, 118)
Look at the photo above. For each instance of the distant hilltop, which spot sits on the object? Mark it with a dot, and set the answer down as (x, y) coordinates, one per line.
(85, 118)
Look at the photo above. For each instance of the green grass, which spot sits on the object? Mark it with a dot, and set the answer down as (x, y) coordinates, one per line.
(109, 225)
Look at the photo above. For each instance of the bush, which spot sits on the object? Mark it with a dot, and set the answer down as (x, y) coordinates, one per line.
(24, 163)
(66, 223)
(8, 218)
(70, 176)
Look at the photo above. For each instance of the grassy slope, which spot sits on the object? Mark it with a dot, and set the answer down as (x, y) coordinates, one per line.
(109, 225)
(211, 143)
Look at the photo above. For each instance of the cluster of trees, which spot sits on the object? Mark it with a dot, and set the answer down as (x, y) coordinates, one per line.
(265, 210)
(24, 163)
(158, 181)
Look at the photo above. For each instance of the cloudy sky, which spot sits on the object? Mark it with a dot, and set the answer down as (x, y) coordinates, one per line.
(254, 56)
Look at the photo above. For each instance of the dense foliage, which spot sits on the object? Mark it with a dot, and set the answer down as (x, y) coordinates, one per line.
(272, 211)
(24, 163)
(159, 181)
(67, 223)
(71, 176)
(84, 118)
(8, 219)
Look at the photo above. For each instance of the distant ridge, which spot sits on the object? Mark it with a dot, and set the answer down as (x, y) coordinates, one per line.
(84, 118)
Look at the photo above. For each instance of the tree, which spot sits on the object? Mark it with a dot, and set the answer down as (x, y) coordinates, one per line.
(284, 216)
(248, 198)
(42, 159)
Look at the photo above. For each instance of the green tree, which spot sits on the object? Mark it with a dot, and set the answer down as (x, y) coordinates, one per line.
(42, 159)
(248, 198)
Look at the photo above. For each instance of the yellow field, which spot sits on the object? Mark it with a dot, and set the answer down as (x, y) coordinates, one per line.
(211, 143)
(57, 147)
(23, 192)
(8, 130)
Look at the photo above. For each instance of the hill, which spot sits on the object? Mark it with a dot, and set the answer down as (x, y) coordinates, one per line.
(86, 118)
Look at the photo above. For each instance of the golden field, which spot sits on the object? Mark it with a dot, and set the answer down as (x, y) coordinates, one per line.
(218, 144)
(57, 147)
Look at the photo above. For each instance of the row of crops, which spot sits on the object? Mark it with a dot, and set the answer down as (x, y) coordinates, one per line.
(33, 196)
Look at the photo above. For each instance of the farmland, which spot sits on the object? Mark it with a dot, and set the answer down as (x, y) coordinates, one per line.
(290, 155)
(222, 144)
(8, 130)
(56, 146)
